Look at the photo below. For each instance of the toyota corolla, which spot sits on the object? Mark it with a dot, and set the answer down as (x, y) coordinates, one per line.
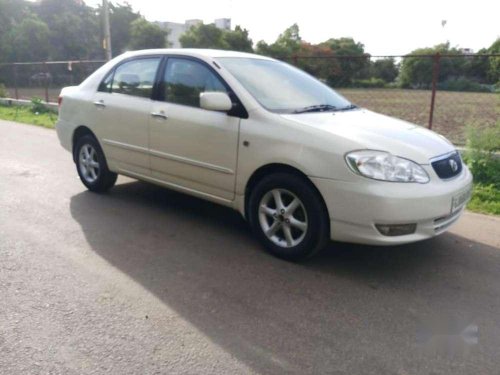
(300, 162)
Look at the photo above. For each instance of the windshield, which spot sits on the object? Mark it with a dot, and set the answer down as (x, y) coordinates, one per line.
(279, 87)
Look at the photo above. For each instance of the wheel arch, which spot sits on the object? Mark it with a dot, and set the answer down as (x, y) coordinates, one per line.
(79, 132)
(269, 169)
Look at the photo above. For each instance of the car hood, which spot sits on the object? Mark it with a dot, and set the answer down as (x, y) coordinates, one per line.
(378, 132)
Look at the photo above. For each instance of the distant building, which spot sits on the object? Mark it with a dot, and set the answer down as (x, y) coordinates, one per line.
(467, 51)
(223, 23)
(176, 29)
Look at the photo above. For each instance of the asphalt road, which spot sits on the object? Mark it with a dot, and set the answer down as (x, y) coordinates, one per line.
(144, 281)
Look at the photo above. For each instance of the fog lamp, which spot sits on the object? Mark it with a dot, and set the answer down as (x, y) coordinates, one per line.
(396, 229)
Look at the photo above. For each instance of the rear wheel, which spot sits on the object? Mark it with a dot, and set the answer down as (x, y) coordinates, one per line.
(288, 216)
(91, 165)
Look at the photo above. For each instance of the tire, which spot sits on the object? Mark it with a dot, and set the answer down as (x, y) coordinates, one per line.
(91, 165)
(301, 210)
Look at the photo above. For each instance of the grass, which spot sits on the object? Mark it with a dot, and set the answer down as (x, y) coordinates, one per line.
(485, 199)
(24, 114)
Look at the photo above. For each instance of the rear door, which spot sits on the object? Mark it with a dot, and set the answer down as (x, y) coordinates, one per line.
(191, 147)
(122, 108)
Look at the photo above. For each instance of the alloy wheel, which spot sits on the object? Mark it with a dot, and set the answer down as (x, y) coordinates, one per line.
(283, 218)
(88, 164)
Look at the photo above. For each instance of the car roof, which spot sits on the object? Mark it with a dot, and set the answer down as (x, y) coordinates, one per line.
(197, 52)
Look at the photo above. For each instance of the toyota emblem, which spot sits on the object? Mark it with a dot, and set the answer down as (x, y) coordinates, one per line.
(453, 165)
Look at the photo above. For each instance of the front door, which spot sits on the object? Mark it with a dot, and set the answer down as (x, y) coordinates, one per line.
(190, 147)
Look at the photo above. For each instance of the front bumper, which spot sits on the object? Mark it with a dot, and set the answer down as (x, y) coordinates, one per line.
(355, 207)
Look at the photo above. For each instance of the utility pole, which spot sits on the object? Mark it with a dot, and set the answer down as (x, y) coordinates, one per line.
(107, 32)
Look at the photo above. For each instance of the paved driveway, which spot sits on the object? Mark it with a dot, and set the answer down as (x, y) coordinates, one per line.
(143, 281)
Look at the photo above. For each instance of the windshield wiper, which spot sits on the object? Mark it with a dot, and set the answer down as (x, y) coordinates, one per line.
(347, 108)
(316, 108)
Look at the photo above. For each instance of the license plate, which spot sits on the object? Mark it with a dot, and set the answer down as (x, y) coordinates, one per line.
(459, 200)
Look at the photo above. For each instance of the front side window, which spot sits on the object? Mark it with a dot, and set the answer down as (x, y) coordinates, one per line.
(280, 87)
(135, 77)
(185, 79)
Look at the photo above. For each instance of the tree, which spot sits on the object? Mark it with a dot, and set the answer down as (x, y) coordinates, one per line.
(385, 69)
(323, 67)
(29, 40)
(494, 63)
(71, 24)
(11, 13)
(203, 36)
(417, 71)
(238, 39)
(286, 45)
(354, 66)
(485, 69)
(144, 34)
(74, 29)
(210, 36)
(335, 70)
(290, 39)
(120, 19)
(476, 68)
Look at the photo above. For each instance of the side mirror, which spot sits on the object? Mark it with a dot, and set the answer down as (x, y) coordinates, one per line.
(215, 101)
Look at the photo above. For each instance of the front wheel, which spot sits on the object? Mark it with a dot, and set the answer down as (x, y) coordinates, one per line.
(288, 216)
(91, 165)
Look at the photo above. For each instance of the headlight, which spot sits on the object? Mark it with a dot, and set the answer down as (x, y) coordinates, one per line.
(383, 166)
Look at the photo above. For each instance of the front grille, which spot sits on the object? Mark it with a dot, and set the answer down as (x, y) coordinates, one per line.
(449, 166)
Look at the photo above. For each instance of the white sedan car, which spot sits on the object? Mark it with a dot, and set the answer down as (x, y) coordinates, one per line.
(300, 162)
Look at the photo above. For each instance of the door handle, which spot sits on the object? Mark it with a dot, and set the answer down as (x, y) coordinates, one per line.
(159, 115)
(100, 103)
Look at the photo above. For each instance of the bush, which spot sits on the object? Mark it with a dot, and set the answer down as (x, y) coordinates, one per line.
(37, 106)
(483, 160)
(481, 154)
(369, 83)
(3, 91)
(463, 84)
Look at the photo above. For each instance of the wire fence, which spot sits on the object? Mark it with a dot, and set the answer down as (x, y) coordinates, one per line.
(44, 80)
(442, 92)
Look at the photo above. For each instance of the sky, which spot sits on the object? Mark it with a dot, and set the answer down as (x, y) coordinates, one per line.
(385, 27)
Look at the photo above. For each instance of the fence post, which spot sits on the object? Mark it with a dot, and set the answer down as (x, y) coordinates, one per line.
(46, 82)
(16, 93)
(294, 59)
(70, 69)
(435, 76)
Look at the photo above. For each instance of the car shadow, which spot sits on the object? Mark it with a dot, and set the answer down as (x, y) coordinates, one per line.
(201, 260)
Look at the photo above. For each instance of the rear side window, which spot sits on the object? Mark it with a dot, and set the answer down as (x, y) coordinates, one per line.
(185, 79)
(135, 77)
